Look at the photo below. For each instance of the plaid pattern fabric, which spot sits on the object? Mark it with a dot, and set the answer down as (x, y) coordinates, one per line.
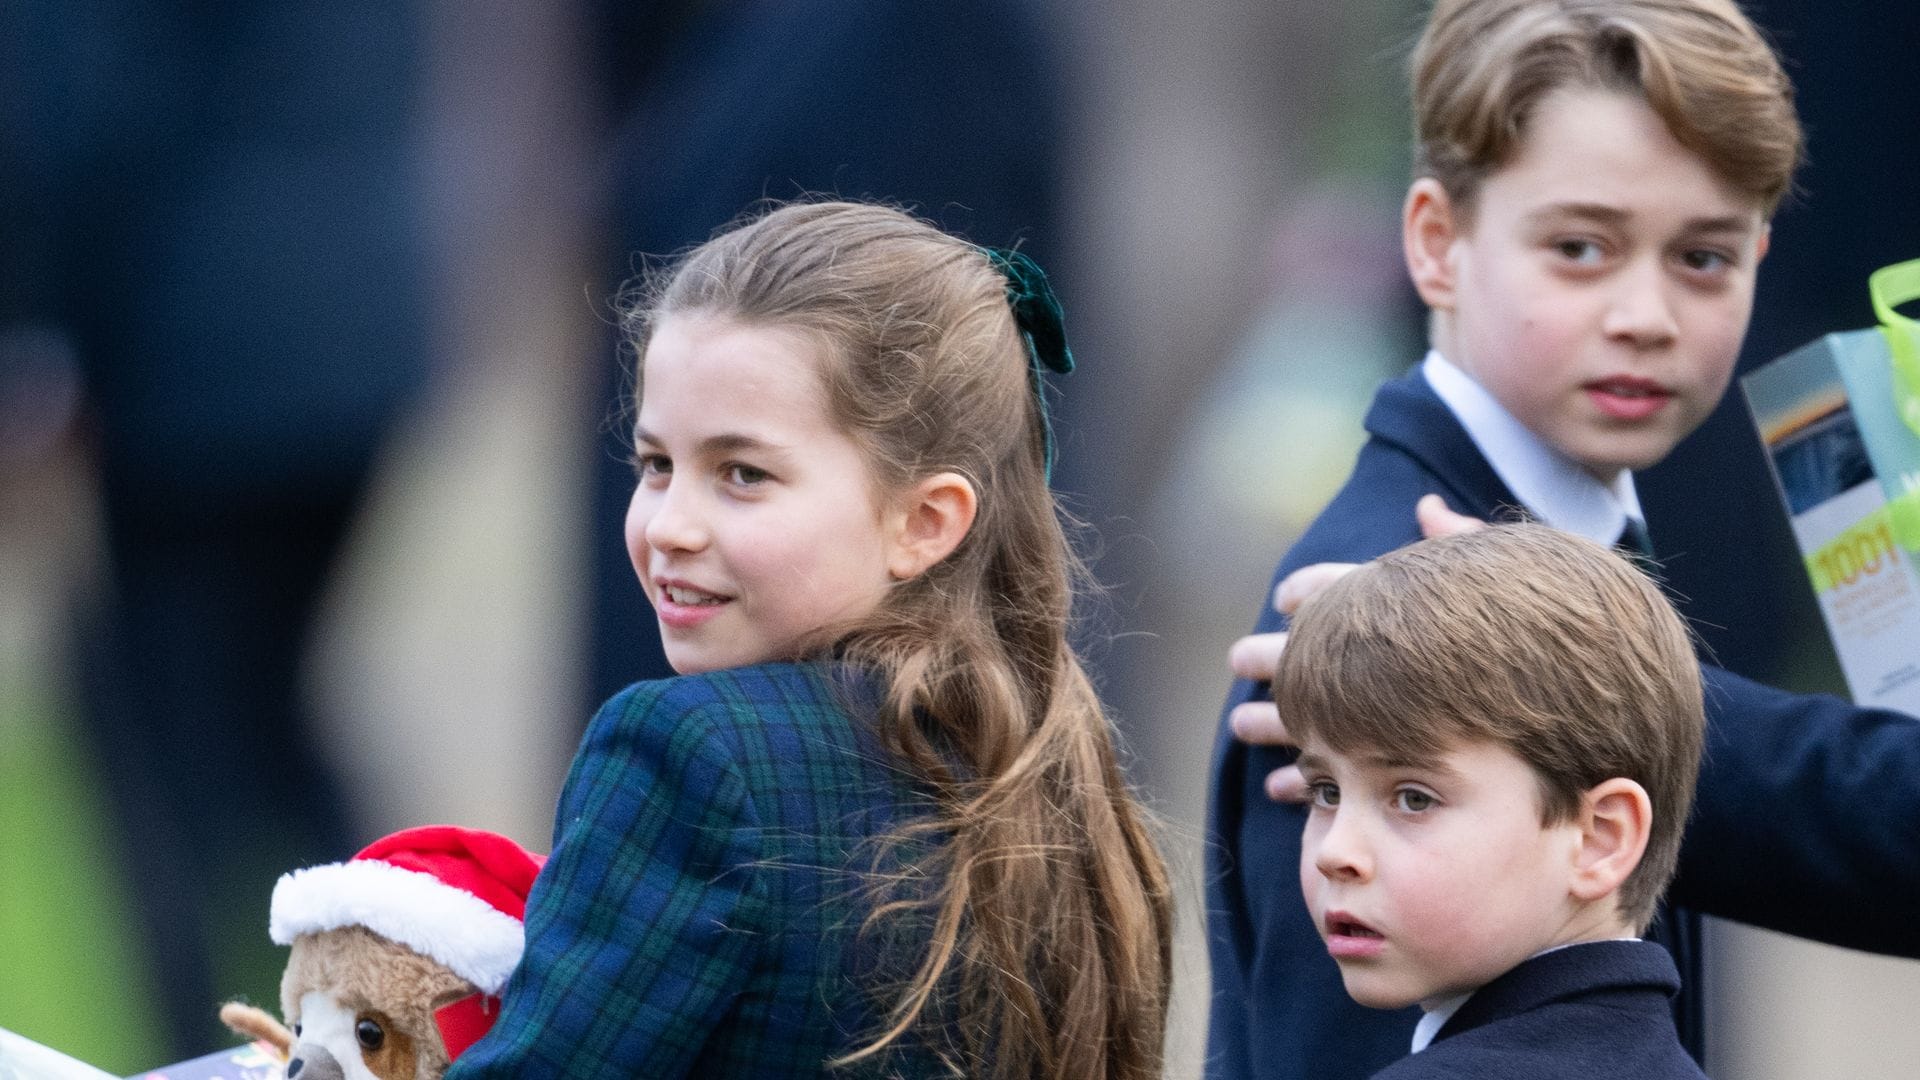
(698, 915)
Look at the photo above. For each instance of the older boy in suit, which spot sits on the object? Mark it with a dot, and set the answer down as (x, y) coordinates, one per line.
(1595, 180)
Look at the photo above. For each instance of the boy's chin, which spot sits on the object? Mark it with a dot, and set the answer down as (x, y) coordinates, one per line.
(1606, 452)
(1371, 993)
(1605, 464)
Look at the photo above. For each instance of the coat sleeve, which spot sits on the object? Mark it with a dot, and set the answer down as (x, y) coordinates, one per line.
(1807, 818)
(1279, 1008)
(642, 927)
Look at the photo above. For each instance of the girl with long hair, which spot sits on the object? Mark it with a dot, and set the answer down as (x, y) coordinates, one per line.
(877, 825)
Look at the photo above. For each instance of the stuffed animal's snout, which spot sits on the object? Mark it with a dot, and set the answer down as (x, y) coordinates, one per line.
(312, 1061)
(341, 1043)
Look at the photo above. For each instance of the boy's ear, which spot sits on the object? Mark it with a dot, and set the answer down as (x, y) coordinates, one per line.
(1616, 818)
(928, 522)
(1429, 223)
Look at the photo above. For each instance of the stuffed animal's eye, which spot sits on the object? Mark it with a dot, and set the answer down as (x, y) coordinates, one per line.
(370, 1034)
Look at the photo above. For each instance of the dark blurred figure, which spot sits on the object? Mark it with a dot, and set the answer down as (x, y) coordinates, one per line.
(214, 203)
(949, 109)
(1858, 210)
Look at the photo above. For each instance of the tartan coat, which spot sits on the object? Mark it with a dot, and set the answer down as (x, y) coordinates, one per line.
(699, 915)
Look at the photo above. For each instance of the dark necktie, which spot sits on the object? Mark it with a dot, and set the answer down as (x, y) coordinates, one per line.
(1634, 539)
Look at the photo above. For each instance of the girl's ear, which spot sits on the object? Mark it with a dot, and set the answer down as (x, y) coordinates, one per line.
(1429, 224)
(928, 522)
(1616, 817)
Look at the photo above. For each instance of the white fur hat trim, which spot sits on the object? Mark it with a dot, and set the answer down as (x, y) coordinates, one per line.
(472, 938)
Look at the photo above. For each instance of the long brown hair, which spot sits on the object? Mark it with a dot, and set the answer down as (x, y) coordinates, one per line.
(1049, 906)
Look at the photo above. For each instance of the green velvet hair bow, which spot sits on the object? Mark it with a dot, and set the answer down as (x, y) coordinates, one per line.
(1043, 326)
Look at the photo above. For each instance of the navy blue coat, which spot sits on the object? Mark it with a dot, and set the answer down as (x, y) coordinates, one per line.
(1593, 1010)
(1807, 816)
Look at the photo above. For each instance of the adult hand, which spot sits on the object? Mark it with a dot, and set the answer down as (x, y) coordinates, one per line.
(1257, 656)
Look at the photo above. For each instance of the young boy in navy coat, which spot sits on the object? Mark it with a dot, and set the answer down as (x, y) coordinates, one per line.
(1594, 183)
(1499, 733)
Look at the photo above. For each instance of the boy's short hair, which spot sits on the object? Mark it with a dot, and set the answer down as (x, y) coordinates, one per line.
(1482, 65)
(1543, 642)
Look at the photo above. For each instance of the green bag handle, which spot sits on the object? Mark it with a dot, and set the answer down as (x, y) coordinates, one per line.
(1891, 286)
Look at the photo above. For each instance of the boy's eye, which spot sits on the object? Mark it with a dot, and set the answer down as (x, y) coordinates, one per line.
(1413, 800)
(1574, 250)
(746, 475)
(1323, 793)
(1706, 261)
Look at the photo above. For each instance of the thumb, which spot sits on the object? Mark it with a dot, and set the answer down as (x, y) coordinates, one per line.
(1437, 520)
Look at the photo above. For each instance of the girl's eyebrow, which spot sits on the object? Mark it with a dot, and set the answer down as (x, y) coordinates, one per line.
(731, 442)
(726, 442)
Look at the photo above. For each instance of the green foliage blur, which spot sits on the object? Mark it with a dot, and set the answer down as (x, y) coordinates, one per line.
(69, 971)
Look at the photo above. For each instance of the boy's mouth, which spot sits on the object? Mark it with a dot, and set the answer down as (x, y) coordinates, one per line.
(1627, 397)
(1350, 939)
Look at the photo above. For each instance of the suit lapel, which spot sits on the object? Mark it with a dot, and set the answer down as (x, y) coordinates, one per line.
(1408, 415)
(1638, 968)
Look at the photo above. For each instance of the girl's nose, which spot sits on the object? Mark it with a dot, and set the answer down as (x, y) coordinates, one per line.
(677, 522)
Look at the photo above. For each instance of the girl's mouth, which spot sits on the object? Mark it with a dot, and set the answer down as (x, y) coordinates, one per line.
(690, 597)
(683, 607)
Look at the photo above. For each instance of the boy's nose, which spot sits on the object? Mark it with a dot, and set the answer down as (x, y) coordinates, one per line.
(1641, 312)
(1342, 851)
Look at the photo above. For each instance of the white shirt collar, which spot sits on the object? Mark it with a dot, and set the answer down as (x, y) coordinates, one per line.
(1436, 1018)
(1557, 491)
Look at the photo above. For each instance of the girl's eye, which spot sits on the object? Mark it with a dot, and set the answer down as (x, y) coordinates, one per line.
(647, 465)
(746, 475)
(1413, 800)
(1323, 793)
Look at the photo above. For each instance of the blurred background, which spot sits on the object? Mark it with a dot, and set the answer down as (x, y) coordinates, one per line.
(310, 489)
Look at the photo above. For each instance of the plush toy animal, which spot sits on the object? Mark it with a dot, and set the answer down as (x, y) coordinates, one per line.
(399, 954)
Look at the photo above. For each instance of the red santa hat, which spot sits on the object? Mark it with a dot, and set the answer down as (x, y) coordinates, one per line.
(457, 896)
